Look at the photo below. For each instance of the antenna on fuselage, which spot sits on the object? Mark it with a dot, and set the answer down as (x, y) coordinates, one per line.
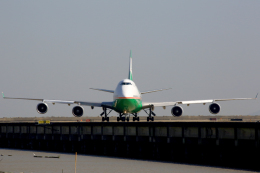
(130, 75)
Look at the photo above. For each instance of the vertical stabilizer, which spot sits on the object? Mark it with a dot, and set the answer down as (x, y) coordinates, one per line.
(130, 75)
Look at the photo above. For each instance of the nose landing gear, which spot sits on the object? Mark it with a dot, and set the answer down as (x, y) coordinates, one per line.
(122, 118)
(127, 117)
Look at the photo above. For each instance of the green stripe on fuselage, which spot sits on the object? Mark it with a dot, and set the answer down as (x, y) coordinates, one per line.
(127, 105)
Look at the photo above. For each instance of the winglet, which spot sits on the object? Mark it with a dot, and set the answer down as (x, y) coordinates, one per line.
(3, 94)
(256, 96)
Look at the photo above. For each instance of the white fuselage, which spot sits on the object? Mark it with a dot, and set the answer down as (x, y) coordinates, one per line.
(127, 98)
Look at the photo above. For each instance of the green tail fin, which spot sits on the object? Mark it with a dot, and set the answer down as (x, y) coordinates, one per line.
(130, 75)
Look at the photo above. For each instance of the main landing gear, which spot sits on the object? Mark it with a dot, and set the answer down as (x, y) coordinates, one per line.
(106, 114)
(150, 115)
(135, 117)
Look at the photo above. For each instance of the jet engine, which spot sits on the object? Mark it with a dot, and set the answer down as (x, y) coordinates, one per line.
(77, 111)
(42, 108)
(177, 111)
(214, 108)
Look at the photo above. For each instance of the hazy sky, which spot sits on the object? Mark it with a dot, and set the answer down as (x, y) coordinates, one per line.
(59, 49)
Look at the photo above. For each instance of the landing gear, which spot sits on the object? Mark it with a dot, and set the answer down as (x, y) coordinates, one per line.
(135, 117)
(122, 118)
(105, 119)
(150, 115)
(106, 114)
(150, 118)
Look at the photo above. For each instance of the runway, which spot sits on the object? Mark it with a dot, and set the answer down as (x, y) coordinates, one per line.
(23, 161)
(232, 118)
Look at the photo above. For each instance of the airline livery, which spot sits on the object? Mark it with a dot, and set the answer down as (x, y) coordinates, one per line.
(127, 100)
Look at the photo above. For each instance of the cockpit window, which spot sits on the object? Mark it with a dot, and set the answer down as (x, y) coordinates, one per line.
(126, 83)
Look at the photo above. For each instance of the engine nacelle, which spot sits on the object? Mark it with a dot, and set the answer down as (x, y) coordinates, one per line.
(177, 111)
(214, 108)
(77, 111)
(42, 108)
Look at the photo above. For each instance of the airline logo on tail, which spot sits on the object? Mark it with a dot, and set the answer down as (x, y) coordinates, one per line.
(130, 76)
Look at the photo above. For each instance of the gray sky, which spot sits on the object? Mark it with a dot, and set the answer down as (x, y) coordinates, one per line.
(59, 49)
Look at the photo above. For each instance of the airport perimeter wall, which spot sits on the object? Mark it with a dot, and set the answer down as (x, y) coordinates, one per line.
(234, 144)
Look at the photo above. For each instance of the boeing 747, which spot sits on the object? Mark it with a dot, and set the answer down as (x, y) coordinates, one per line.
(127, 100)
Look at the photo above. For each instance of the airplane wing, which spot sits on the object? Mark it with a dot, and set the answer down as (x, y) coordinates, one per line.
(96, 104)
(83, 103)
(157, 104)
(151, 91)
(105, 90)
(164, 104)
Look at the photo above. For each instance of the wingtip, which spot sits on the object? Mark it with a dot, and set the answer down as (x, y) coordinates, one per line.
(256, 96)
(3, 95)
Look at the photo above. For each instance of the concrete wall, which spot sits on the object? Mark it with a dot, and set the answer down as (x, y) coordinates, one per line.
(203, 142)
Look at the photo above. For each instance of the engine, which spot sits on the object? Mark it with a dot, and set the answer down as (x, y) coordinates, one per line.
(214, 108)
(77, 111)
(42, 108)
(177, 111)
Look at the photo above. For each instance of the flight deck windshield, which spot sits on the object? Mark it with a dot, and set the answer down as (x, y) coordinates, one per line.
(126, 83)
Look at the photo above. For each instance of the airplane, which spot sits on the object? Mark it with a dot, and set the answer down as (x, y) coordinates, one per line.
(127, 100)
